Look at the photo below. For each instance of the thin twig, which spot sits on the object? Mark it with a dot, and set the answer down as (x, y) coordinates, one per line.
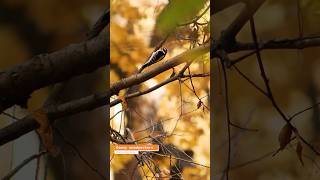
(269, 92)
(227, 118)
(304, 110)
(21, 165)
(76, 150)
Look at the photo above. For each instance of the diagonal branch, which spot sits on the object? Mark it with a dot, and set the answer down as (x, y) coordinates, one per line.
(101, 23)
(234, 28)
(17, 83)
(27, 124)
(141, 77)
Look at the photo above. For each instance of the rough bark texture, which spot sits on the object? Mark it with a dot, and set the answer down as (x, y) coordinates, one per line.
(17, 83)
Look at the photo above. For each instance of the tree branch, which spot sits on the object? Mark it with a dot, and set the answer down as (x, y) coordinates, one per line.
(227, 39)
(139, 93)
(27, 124)
(141, 77)
(296, 43)
(17, 83)
(101, 23)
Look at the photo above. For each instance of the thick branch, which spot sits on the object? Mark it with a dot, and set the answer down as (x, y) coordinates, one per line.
(102, 22)
(17, 83)
(27, 124)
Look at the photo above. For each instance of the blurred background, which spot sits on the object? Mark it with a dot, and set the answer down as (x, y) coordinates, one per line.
(294, 80)
(171, 114)
(28, 28)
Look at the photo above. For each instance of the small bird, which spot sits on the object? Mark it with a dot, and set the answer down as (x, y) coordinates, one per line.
(155, 57)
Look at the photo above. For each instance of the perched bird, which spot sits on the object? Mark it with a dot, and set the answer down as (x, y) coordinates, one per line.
(155, 57)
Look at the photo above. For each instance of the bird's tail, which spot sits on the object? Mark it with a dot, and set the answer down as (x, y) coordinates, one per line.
(141, 68)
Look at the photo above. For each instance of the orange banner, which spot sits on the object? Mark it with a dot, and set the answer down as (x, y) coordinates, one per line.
(137, 147)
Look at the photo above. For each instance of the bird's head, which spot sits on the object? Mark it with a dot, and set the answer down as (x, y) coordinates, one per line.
(165, 50)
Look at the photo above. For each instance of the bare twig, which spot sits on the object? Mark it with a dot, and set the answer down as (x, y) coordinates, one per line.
(76, 150)
(21, 165)
(269, 92)
(294, 43)
(227, 118)
(304, 110)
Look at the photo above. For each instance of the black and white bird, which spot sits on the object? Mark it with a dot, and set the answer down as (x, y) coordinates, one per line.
(155, 57)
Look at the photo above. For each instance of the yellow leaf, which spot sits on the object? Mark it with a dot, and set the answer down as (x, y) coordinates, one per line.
(124, 102)
(45, 131)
